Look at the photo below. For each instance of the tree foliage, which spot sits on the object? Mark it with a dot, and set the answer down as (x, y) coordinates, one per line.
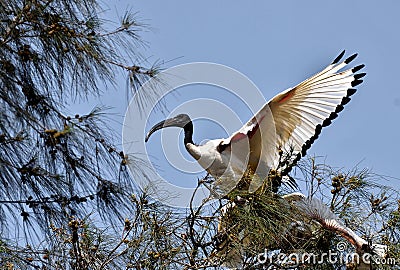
(250, 235)
(55, 165)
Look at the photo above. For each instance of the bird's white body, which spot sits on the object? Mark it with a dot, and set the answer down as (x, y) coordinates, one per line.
(209, 158)
(227, 166)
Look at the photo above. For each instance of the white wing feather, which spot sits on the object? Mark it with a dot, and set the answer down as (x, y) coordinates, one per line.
(316, 210)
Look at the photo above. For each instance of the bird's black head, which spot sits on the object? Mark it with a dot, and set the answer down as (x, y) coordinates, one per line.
(181, 120)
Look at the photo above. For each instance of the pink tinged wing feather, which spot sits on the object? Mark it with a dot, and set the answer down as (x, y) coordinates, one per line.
(320, 212)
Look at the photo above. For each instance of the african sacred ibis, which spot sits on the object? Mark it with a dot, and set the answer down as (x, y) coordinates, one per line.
(285, 127)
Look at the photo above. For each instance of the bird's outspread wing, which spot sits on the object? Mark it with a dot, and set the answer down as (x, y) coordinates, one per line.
(285, 128)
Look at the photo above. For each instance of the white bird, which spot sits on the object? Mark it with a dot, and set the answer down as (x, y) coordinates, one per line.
(279, 134)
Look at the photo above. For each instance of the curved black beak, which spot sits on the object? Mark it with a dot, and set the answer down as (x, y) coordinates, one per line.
(154, 129)
(180, 120)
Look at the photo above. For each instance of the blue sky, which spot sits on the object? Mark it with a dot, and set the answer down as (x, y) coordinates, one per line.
(277, 44)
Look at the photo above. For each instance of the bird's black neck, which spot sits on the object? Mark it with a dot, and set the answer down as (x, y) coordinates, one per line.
(188, 128)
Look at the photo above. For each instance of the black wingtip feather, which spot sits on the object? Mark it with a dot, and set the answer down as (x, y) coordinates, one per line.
(318, 129)
(350, 92)
(340, 108)
(286, 171)
(337, 59)
(326, 122)
(350, 58)
(357, 68)
(359, 76)
(308, 144)
(356, 82)
(333, 115)
(345, 100)
(303, 151)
